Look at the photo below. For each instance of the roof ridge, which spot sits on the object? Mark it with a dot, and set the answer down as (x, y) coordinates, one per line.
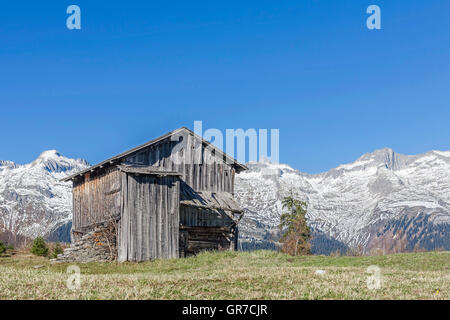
(111, 160)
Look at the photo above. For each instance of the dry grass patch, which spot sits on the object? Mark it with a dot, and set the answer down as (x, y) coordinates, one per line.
(233, 275)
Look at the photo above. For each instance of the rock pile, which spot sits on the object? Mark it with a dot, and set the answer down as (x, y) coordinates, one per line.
(91, 247)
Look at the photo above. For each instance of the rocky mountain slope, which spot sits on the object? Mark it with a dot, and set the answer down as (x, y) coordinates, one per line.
(32, 200)
(383, 200)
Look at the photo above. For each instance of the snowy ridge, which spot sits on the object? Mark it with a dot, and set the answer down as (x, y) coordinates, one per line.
(361, 203)
(353, 201)
(32, 199)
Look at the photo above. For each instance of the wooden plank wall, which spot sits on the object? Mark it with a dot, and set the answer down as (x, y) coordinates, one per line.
(200, 168)
(149, 227)
(96, 198)
(191, 216)
(196, 239)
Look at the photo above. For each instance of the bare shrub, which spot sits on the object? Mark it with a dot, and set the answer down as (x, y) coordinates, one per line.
(335, 254)
(355, 251)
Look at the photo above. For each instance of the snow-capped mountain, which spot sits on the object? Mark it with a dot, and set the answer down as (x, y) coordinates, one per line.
(373, 202)
(32, 199)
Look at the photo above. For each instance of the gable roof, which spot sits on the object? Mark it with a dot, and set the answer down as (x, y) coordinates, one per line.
(239, 167)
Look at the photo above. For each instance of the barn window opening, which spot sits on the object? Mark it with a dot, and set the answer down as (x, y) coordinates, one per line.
(138, 159)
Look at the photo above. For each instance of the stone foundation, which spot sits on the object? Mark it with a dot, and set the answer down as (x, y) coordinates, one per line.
(93, 246)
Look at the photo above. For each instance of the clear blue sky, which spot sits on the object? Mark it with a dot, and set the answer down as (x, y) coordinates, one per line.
(311, 68)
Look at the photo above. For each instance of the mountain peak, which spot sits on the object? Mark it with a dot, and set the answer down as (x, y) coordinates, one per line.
(385, 156)
(8, 164)
(53, 161)
(383, 151)
(378, 153)
(445, 154)
(49, 154)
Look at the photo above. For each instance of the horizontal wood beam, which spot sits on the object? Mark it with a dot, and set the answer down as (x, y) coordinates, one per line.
(188, 203)
(150, 170)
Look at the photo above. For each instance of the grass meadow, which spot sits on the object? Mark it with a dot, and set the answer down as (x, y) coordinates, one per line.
(232, 275)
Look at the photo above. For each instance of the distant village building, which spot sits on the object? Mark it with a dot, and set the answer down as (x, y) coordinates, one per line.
(168, 198)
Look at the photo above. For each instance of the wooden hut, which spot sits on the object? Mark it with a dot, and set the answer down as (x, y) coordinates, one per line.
(170, 197)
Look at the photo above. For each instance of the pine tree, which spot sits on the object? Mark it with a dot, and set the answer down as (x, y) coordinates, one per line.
(39, 247)
(2, 248)
(57, 250)
(297, 235)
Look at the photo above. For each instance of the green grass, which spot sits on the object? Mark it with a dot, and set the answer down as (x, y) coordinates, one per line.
(233, 275)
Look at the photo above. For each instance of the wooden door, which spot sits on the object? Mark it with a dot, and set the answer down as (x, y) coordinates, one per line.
(149, 224)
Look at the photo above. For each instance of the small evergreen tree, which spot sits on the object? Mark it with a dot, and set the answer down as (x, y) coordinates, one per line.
(57, 250)
(39, 247)
(297, 235)
(2, 248)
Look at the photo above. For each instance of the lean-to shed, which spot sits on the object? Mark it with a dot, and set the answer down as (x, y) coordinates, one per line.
(170, 197)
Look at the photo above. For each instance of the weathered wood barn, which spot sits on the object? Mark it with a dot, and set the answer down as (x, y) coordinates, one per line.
(170, 197)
